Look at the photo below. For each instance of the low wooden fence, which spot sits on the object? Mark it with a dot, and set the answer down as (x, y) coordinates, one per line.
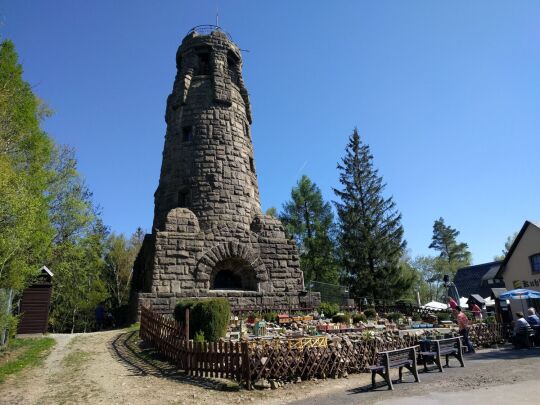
(247, 363)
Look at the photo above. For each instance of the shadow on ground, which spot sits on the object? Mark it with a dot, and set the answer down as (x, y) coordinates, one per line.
(142, 360)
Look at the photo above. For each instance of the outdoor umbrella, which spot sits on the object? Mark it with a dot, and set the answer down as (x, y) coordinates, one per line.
(520, 294)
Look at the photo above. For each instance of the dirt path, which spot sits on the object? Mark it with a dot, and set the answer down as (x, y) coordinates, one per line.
(111, 368)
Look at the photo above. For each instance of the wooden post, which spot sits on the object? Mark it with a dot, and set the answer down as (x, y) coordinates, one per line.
(186, 324)
(245, 365)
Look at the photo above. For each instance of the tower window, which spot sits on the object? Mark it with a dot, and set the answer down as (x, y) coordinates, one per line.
(246, 130)
(232, 66)
(187, 134)
(184, 198)
(203, 66)
(251, 164)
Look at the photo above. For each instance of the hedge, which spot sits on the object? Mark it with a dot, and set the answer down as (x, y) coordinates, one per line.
(209, 318)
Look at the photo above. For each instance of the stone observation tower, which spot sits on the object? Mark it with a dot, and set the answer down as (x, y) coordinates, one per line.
(209, 237)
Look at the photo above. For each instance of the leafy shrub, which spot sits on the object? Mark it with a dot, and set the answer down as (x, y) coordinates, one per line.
(370, 313)
(491, 319)
(180, 309)
(341, 318)
(394, 316)
(328, 309)
(211, 317)
(359, 318)
(199, 336)
(270, 316)
(416, 317)
(443, 316)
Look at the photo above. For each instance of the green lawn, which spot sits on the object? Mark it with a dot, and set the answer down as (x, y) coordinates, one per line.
(23, 353)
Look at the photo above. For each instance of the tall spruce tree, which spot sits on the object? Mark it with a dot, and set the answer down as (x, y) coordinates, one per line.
(370, 232)
(310, 221)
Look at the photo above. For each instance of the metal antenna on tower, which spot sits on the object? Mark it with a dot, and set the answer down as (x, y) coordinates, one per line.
(217, 16)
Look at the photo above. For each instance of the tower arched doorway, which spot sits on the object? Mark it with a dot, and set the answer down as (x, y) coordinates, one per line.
(233, 273)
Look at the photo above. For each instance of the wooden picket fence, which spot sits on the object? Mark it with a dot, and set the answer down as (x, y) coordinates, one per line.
(247, 363)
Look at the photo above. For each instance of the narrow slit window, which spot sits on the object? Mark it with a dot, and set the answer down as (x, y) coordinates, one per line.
(183, 198)
(232, 66)
(252, 164)
(203, 67)
(187, 134)
(246, 130)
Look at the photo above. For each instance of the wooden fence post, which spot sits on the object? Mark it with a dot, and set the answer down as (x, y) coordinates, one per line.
(246, 370)
(186, 324)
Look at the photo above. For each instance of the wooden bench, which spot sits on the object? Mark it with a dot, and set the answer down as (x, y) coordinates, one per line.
(399, 358)
(435, 349)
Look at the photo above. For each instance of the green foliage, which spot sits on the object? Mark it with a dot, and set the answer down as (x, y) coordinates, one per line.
(328, 309)
(272, 211)
(507, 245)
(370, 231)
(370, 313)
(491, 319)
(309, 220)
(270, 316)
(416, 317)
(24, 154)
(341, 318)
(119, 258)
(27, 353)
(443, 316)
(357, 318)
(211, 317)
(180, 310)
(394, 316)
(199, 336)
(444, 241)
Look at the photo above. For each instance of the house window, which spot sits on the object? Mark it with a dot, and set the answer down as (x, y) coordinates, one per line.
(535, 263)
(187, 134)
(184, 199)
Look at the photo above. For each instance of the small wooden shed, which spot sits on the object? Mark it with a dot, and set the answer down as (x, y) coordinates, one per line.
(35, 304)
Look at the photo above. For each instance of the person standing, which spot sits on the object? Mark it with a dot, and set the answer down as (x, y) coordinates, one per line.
(452, 303)
(477, 312)
(463, 327)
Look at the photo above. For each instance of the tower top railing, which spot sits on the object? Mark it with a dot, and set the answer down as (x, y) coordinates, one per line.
(207, 30)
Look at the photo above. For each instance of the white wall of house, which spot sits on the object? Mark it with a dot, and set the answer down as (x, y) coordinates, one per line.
(518, 271)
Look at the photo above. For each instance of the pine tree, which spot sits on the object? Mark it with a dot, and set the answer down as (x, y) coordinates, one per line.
(309, 220)
(444, 240)
(370, 232)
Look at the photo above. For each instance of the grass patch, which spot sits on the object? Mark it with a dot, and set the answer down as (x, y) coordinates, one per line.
(24, 353)
(76, 359)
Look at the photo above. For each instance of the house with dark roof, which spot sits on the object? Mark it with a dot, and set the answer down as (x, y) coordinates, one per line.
(478, 279)
(521, 266)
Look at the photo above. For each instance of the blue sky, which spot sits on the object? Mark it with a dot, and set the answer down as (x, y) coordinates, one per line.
(447, 95)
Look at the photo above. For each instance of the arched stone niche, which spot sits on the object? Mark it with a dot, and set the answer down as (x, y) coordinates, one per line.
(233, 266)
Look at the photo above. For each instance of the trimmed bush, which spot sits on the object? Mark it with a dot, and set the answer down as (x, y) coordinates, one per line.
(416, 317)
(341, 318)
(180, 310)
(357, 318)
(328, 309)
(370, 313)
(207, 317)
